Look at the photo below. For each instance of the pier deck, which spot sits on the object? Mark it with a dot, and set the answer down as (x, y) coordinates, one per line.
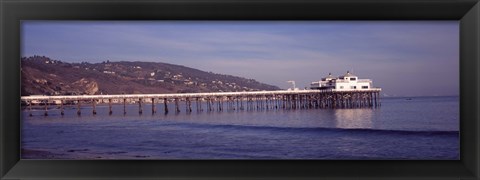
(285, 99)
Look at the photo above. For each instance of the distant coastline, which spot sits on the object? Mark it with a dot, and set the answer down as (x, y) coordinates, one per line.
(44, 76)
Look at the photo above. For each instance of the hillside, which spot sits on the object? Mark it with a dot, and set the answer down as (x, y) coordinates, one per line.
(44, 76)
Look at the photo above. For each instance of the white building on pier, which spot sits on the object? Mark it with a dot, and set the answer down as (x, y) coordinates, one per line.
(346, 82)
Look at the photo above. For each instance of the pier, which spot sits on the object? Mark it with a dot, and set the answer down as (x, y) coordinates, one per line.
(219, 101)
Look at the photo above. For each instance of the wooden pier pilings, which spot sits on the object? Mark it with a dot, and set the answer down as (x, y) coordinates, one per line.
(224, 101)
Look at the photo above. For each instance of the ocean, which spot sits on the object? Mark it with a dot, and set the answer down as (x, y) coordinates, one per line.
(417, 128)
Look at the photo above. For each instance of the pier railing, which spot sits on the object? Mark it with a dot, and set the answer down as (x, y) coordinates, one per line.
(286, 99)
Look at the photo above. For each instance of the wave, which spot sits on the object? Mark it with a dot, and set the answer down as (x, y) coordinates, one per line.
(324, 129)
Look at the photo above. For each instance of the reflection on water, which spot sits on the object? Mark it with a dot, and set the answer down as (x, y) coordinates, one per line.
(419, 114)
(265, 134)
(354, 118)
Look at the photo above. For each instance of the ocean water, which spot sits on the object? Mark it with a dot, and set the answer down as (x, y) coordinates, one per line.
(423, 128)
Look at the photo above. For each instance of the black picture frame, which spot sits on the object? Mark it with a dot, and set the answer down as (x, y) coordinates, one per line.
(14, 11)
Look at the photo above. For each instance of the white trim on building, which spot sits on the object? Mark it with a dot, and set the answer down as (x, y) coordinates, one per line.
(346, 82)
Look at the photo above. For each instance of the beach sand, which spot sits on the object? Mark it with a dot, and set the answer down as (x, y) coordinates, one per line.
(77, 154)
(41, 154)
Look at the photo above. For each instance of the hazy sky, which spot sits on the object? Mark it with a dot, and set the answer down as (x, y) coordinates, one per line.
(405, 58)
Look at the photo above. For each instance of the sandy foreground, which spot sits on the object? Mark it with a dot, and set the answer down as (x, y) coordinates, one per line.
(79, 154)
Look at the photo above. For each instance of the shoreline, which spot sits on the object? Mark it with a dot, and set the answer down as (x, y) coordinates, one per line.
(38, 154)
(44, 154)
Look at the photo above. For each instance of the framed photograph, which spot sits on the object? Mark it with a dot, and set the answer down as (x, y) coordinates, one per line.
(271, 89)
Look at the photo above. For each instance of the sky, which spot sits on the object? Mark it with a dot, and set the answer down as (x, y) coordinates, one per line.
(404, 58)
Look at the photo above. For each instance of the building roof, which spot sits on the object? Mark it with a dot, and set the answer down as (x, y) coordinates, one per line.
(347, 75)
(329, 76)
